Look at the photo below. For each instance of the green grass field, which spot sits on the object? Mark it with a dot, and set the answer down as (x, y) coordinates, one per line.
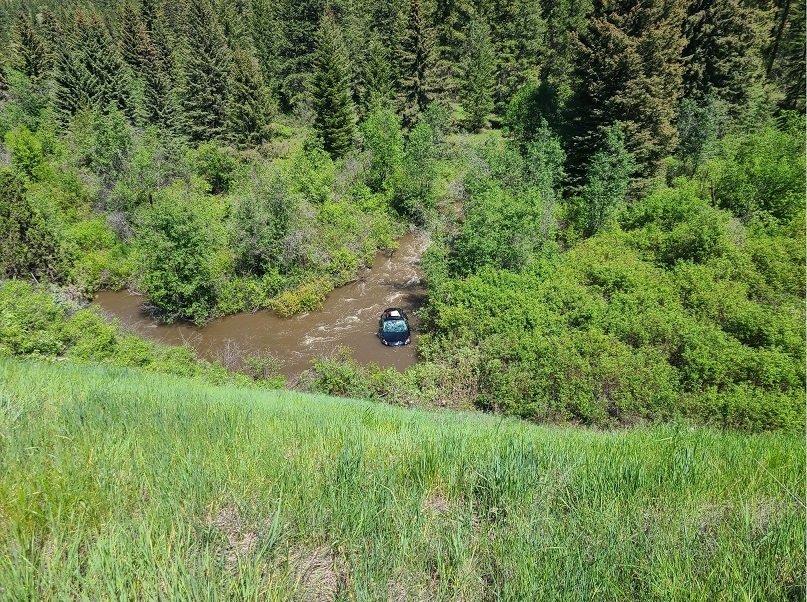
(118, 484)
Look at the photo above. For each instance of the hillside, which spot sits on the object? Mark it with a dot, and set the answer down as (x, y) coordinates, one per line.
(121, 484)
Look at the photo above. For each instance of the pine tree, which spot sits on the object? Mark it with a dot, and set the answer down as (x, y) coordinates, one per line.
(785, 54)
(335, 115)
(159, 94)
(299, 22)
(451, 20)
(478, 74)
(628, 71)
(249, 106)
(31, 55)
(132, 36)
(723, 53)
(563, 19)
(205, 70)
(90, 73)
(266, 39)
(517, 34)
(378, 77)
(418, 62)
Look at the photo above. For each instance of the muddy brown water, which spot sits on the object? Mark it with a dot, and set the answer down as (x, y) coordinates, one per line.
(348, 318)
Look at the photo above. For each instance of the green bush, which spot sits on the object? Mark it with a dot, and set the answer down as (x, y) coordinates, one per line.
(307, 297)
(176, 250)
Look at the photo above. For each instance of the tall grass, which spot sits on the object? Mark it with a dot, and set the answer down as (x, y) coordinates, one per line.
(120, 484)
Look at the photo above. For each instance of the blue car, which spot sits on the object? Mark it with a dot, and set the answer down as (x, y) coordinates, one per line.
(393, 327)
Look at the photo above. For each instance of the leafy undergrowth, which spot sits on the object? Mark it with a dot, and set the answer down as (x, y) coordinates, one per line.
(121, 484)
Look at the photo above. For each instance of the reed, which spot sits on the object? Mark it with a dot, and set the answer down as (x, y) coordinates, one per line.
(122, 484)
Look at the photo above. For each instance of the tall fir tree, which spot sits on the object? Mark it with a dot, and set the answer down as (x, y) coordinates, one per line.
(377, 77)
(90, 72)
(160, 102)
(564, 19)
(517, 34)
(205, 71)
(478, 69)
(299, 22)
(31, 54)
(785, 53)
(335, 115)
(266, 34)
(132, 36)
(451, 20)
(723, 54)
(249, 106)
(418, 62)
(628, 72)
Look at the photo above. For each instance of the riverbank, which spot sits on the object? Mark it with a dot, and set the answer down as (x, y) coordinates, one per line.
(121, 483)
(348, 319)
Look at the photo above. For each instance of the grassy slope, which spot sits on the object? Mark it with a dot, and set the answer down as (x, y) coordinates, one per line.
(117, 483)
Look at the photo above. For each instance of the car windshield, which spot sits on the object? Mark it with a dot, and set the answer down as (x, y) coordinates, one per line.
(394, 326)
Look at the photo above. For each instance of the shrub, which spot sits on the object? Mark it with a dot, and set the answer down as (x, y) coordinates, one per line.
(174, 244)
(306, 297)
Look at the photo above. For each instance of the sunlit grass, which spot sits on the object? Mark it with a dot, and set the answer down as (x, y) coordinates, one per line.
(119, 484)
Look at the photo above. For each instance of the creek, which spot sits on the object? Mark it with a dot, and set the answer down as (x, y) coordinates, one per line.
(349, 318)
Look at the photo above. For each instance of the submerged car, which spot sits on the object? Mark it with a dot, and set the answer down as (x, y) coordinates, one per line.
(393, 327)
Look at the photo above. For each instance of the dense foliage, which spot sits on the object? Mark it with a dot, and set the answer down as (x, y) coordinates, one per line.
(629, 245)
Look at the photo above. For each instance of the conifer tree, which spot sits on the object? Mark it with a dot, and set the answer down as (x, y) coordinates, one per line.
(785, 53)
(248, 104)
(723, 53)
(90, 72)
(418, 62)
(159, 94)
(335, 114)
(132, 36)
(378, 76)
(205, 70)
(628, 71)
(478, 74)
(787, 64)
(451, 20)
(563, 19)
(266, 32)
(31, 54)
(299, 21)
(517, 34)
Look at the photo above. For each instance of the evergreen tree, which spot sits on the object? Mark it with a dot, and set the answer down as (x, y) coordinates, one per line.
(564, 18)
(266, 32)
(785, 54)
(28, 246)
(205, 70)
(478, 74)
(378, 77)
(30, 52)
(159, 95)
(90, 72)
(628, 71)
(335, 115)
(418, 62)
(132, 37)
(158, 25)
(248, 104)
(723, 53)
(451, 20)
(608, 180)
(517, 34)
(299, 22)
